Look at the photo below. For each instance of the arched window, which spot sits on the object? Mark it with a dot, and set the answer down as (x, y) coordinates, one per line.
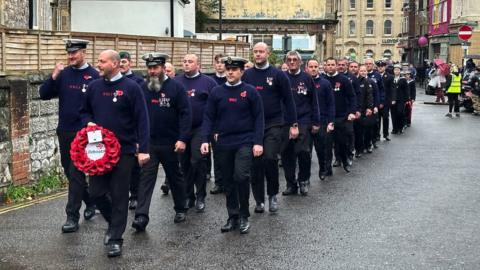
(369, 54)
(369, 28)
(387, 27)
(351, 28)
(387, 54)
(369, 3)
(352, 54)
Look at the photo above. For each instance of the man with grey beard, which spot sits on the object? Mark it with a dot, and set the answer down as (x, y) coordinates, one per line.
(170, 122)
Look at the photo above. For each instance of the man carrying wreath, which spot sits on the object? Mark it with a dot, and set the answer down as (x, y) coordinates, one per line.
(117, 104)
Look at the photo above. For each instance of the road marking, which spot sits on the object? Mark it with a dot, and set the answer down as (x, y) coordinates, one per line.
(33, 202)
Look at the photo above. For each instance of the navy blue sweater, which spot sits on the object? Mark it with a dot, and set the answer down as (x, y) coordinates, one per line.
(306, 101)
(68, 88)
(198, 89)
(274, 88)
(236, 113)
(169, 112)
(127, 117)
(326, 101)
(377, 78)
(136, 78)
(219, 80)
(345, 100)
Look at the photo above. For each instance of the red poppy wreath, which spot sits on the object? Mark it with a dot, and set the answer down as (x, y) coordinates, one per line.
(95, 158)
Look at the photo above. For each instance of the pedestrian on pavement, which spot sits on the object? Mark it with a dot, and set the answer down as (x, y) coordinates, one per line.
(125, 63)
(194, 164)
(399, 98)
(384, 108)
(435, 83)
(125, 114)
(454, 88)
(308, 116)
(170, 123)
(69, 84)
(412, 94)
(326, 104)
(380, 94)
(279, 111)
(364, 131)
(235, 112)
(345, 108)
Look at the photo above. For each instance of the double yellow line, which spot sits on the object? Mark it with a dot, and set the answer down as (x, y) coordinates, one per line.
(7, 209)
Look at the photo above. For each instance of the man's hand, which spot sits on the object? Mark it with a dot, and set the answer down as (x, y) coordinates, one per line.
(351, 117)
(293, 133)
(257, 150)
(375, 110)
(393, 102)
(380, 106)
(180, 147)
(315, 129)
(91, 124)
(330, 127)
(368, 112)
(204, 148)
(143, 158)
(58, 68)
(357, 115)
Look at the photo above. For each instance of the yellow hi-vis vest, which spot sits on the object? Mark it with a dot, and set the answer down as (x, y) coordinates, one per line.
(456, 86)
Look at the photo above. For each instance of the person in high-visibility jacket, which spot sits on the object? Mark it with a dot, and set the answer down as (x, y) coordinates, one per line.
(452, 92)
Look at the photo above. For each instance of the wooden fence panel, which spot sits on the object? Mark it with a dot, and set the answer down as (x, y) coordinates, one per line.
(179, 51)
(129, 45)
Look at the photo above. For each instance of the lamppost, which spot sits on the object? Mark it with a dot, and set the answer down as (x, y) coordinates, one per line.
(219, 19)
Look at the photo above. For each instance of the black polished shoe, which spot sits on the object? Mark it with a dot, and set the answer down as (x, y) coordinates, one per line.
(244, 226)
(89, 212)
(190, 203)
(370, 149)
(386, 138)
(336, 163)
(200, 205)
(70, 226)
(375, 145)
(164, 187)
(232, 224)
(304, 188)
(140, 223)
(290, 191)
(358, 155)
(114, 249)
(259, 208)
(349, 161)
(132, 205)
(322, 175)
(106, 238)
(347, 168)
(216, 190)
(394, 132)
(179, 217)
(272, 204)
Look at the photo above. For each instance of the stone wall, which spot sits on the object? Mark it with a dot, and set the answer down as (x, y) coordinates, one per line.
(5, 142)
(16, 13)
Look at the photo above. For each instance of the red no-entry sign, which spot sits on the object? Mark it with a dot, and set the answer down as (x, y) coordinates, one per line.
(465, 32)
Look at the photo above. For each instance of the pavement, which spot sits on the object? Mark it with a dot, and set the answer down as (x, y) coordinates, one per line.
(412, 204)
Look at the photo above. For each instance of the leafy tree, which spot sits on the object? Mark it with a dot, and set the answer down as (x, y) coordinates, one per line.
(204, 10)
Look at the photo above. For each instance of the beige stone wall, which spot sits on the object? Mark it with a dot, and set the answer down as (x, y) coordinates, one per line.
(279, 9)
(15, 13)
(377, 42)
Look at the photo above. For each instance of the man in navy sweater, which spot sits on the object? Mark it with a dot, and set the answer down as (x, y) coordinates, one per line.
(69, 84)
(198, 87)
(384, 109)
(235, 113)
(326, 104)
(308, 116)
(377, 78)
(220, 78)
(279, 109)
(117, 104)
(345, 108)
(170, 123)
(125, 61)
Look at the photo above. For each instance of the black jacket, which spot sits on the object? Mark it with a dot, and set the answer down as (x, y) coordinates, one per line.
(365, 98)
(400, 90)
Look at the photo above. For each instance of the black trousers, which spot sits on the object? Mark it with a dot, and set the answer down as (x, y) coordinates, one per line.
(216, 166)
(398, 116)
(77, 184)
(134, 180)
(235, 166)
(384, 115)
(323, 144)
(341, 136)
(266, 166)
(194, 167)
(359, 131)
(165, 155)
(110, 194)
(293, 150)
(369, 135)
(453, 102)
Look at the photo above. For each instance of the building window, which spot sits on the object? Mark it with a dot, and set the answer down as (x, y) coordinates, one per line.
(352, 4)
(369, 3)
(351, 28)
(388, 3)
(339, 5)
(33, 5)
(369, 28)
(387, 27)
(369, 54)
(387, 54)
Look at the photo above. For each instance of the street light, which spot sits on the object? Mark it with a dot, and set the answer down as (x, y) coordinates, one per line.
(219, 19)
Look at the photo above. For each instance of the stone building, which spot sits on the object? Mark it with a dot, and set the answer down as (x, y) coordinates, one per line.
(35, 14)
(273, 21)
(464, 12)
(415, 25)
(369, 28)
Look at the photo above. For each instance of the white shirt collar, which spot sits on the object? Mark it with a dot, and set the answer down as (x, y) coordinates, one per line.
(334, 74)
(238, 83)
(267, 65)
(84, 66)
(116, 77)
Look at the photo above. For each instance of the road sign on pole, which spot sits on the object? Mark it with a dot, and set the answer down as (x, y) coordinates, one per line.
(465, 32)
